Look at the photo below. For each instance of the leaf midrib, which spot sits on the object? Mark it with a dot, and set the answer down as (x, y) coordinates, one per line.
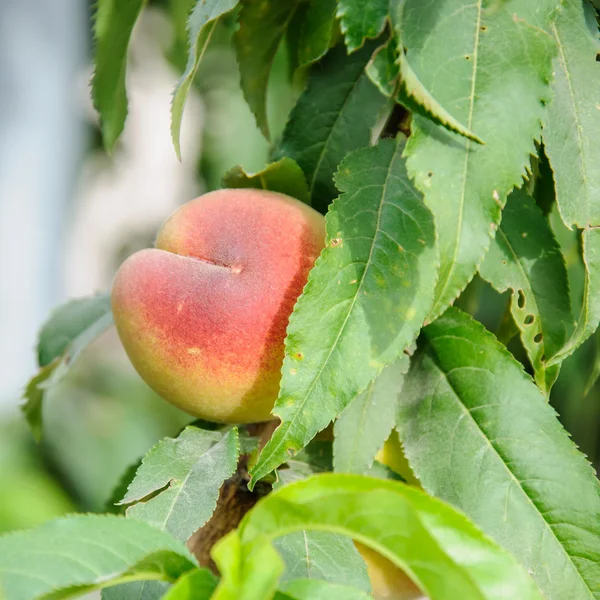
(350, 310)
(467, 413)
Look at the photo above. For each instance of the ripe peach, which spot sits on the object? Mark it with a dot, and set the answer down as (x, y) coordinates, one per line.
(203, 315)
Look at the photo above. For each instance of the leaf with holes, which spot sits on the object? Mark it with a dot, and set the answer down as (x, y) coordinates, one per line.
(468, 56)
(480, 435)
(438, 547)
(525, 258)
(177, 485)
(83, 553)
(262, 25)
(335, 115)
(283, 176)
(364, 425)
(202, 22)
(113, 25)
(365, 300)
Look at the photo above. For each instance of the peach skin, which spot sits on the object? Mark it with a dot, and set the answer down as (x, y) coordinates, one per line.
(203, 316)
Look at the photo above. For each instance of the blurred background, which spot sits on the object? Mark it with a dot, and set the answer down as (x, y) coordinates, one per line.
(70, 214)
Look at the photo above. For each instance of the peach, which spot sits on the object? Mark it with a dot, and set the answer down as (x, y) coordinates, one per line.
(203, 316)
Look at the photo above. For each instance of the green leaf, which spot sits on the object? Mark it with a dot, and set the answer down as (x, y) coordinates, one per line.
(83, 553)
(67, 322)
(120, 488)
(177, 486)
(436, 546)
(112, 31)
(589, 317)
(489, 64)
(68, 331)
(335, 115)
(525, 258)
(203, 20)
(383, 69)
(364, 425)
(360, 20)
(365, 300)
(140, 590)
(322, 555)
(198, 584)
(572, 126)
(283, 176)
(313, 589)
(480, 435)
(262, 25)
(316, 31)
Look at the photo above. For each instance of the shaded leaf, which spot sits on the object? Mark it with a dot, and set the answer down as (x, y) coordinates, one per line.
(68, 331)
(525, 258)
(572, 125)
(335, 115)
(437, 547)
(366, 423)
(365, 300)
(140, 590)
(480, 435)
(360, 20)
(202, 22)
(316, 457)
(113, 25)
(467, 56)
(82, 553)
(262, 25)
(177, 485)
(316, 31)
(283, 176)
(589, 317)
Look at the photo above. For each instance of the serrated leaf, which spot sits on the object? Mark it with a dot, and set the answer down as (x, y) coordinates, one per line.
(114, 23)
(589, 317)
(316, 457)
(202, 22)
(283, 176)
(364, 425)
(314, 589)
(360, 20)
(183, 477)
(365, 300)
(84, 553)
(391, 72)
(489, 64)
(68, 331)
(480, 435)
(198, 584)
(525, 258)
(322, 555)
(262, 25)
(436, 546)
(572, 125)
(335, 115)
(120, 488)
(316, 31)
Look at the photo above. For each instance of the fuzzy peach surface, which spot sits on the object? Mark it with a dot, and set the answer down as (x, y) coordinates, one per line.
(203, 316)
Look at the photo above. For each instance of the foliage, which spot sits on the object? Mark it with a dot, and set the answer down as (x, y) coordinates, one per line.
(448, 143)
